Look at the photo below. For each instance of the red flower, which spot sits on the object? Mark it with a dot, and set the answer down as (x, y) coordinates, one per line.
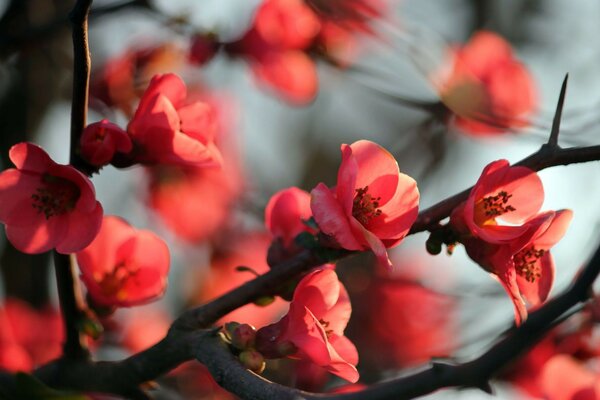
(45, 205)
(123, 266)
(285, 212)
(563, 378)
(313, 328)
(167, 130)
(527, 270)
(487, 89)
(274, 46)
(28, 338)
(101, 140)
(373, 205)
(501, 201)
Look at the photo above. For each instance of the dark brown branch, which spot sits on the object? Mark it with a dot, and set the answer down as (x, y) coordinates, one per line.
(546, 156)
(69, 295)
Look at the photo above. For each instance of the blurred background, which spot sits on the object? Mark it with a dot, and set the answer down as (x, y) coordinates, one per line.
(372, 74)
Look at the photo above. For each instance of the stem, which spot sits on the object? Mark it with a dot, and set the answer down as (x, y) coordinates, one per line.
(71, 304)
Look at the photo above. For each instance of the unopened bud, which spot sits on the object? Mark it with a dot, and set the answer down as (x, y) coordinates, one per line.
(253, 360)
(228, 329)
(264, 301)
(243, 336)
(286, 348)
(433, 246)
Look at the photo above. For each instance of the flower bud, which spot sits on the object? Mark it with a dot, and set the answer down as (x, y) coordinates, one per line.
(253, 360)
(101, 140)
(243, 336)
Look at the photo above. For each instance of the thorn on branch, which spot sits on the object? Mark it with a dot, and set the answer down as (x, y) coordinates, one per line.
(553, 140)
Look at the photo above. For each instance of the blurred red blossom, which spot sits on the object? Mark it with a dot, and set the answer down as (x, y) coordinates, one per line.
(373, 205)
(486, 87)
(274, 46)
(101, 140)
(408, 323)
(124, 267)
(28, 338)
(168, 129)
(285, 212)
(143, 327)
(45, 205)
(122, 79)
(313, 328)
(247, 250)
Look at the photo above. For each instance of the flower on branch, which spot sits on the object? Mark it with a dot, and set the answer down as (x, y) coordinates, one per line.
(503, 231)
(45, 205)
(373, 205)
(166, 129)
(274, 47)
(101, 140)
(486, 87)
(313, 328)
(124, 267)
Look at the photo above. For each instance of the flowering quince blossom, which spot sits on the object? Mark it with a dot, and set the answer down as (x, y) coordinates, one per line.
(45, 205)
(123, 266)
(373, 205)
(101, 140)
(274, 46)
(486, 88)
(503, 198)
(564, 378)
(285, 214)
(167, 130)
(313, 328)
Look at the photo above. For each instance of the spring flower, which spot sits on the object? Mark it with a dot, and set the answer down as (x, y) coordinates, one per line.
(166, 129)
(503, 198)
(101, 140)
(373, 205)
(123, 266)
(486, 87)
(313, 328)
(285, 212)
(45, 205)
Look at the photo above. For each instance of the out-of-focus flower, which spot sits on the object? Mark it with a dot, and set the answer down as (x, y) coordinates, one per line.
(564, 378)
(123, 266)
(408, 323)
(503, 198)
(28, 338)
(142, 328)
(313, 328)
(274, 46)
(101, 140)
(373, 205)
(166, 129)
(248, 250)
(121, 80)
(45, 205)
(341, 22)
(487, 88)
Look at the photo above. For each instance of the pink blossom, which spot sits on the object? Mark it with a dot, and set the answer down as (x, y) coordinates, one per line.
(313, 328)
(123, 266)
(166, 129)
(45, 205)
(101, 140)
(373, 205)
(285, 212)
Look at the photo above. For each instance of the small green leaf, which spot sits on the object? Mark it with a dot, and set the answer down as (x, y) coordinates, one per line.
(306, 240)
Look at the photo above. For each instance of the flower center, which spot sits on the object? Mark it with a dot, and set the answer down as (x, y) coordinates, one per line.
(112, 282)
(56, 196)
(527, 265)
(490, 207)
(325, 325)
(365, 207)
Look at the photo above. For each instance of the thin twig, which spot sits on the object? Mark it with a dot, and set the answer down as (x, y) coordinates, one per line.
(553, 140)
